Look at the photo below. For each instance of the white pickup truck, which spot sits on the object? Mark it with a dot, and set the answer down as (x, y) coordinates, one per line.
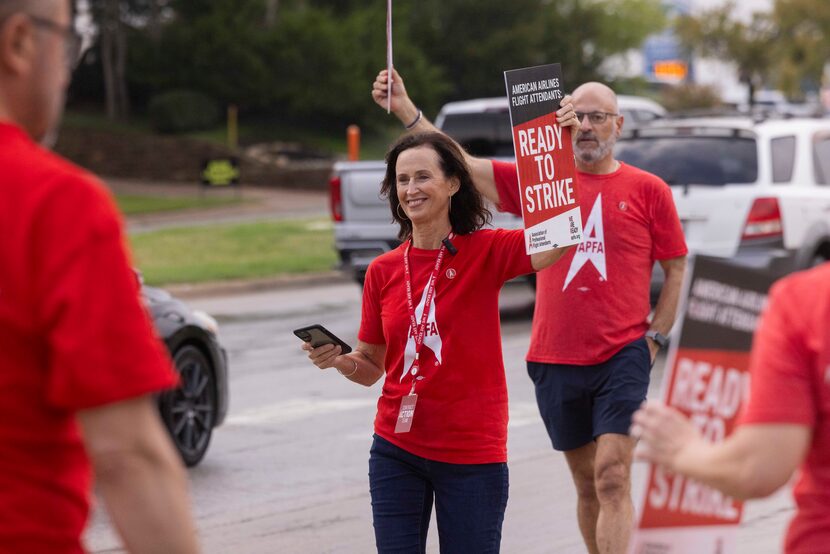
(363, 226)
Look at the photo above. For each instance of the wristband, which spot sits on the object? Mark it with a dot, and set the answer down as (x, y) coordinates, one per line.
(414, 121)
(353, 371)
(660, 340)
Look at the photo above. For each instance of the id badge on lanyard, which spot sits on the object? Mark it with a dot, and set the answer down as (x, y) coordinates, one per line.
(406, 413)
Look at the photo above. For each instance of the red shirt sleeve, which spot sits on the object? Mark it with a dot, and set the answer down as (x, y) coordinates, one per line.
(102, 345)
(507, 185)
(371, 324)
(781, 388)
(508, 254)
(666, 230)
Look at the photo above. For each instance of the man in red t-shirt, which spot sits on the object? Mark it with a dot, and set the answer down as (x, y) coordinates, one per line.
(786, 423)
(80, 362)
(592, 344)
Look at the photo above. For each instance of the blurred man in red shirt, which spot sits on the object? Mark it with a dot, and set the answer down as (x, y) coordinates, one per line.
(80, 361)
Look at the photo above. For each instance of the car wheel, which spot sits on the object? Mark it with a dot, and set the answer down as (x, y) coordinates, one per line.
(190, 410)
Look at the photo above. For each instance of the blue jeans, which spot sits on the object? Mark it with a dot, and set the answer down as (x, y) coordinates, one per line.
(470, 500)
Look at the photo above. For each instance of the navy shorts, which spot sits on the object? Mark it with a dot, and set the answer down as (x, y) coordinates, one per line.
(579, 403)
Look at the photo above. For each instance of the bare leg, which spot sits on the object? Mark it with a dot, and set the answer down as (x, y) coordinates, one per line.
(613, 488)
(581, 463)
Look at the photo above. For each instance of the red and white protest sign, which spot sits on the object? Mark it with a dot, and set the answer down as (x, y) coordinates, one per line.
(706, 379)
(548, 186)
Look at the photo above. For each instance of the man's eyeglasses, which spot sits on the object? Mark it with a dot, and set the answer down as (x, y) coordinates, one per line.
(72, 40)
(596, 118)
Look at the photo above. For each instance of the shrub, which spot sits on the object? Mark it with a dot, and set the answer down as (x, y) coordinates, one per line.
(182, 111)
(687, 97)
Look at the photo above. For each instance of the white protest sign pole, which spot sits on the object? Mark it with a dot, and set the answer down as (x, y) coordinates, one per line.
(389, 54)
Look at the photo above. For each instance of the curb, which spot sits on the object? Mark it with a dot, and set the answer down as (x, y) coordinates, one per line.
(283, 282)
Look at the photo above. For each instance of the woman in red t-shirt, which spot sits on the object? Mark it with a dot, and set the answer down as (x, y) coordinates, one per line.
(430, 325)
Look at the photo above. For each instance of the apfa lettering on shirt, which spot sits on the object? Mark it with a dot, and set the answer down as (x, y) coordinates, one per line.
(432, 336)
(431, 329)
(592, 249)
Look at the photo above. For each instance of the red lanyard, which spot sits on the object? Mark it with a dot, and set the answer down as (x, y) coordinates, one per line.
(420, 329)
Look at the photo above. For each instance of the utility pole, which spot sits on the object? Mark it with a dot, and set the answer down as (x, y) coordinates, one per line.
(114, 58)
(271, 7)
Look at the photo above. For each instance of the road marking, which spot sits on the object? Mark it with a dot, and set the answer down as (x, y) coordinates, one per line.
(323, 225)
(521, 413)
(296, 409)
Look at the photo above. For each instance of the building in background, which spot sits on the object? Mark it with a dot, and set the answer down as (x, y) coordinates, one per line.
(663, 61)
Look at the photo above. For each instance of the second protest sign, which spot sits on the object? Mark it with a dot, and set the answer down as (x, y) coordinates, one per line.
(706, 379)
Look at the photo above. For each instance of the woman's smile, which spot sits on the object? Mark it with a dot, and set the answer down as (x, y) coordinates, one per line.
(415, 202)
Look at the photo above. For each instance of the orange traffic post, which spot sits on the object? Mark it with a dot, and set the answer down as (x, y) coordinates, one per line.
(353, 142)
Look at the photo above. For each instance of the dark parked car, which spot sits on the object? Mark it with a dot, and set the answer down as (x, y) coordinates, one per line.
(191, 411)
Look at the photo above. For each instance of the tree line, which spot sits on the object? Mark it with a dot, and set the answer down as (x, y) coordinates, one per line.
(784, 48)
(312, 62)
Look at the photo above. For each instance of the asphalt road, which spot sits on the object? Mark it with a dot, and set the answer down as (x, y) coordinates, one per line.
(287, 473)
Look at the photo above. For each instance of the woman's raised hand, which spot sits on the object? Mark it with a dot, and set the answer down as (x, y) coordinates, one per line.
(380, 90)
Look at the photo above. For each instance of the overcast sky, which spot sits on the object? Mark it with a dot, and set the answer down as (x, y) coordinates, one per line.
(743, 9)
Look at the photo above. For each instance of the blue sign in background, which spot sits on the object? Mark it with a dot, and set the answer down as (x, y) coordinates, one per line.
(665, 46)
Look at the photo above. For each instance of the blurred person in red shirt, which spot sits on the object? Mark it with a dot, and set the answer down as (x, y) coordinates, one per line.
(786, 422)
(80, 360)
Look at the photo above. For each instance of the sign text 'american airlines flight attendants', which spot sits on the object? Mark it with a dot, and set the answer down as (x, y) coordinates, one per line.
(544, 159)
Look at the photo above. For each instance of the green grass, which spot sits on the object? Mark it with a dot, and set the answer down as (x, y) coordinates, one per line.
(140, 204)
(234, 251)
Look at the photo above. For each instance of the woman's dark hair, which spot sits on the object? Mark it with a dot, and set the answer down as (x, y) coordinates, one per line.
(467, 210)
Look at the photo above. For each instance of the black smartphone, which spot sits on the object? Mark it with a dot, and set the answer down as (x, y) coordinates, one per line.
(317, 335)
